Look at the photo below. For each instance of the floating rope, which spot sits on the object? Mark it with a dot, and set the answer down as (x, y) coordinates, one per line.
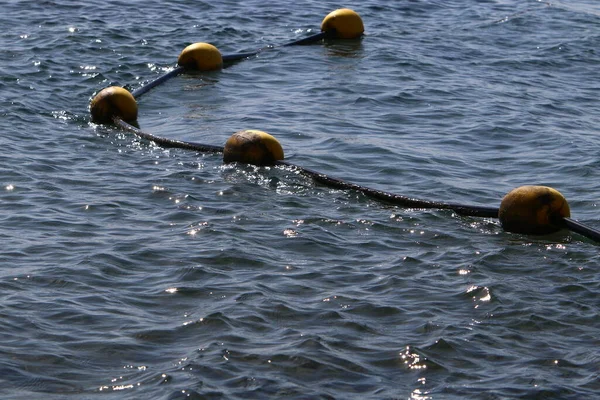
(226, 59)
(164, 142)
(583, 230)
(391, 198)
(160, 80)
(396, 199)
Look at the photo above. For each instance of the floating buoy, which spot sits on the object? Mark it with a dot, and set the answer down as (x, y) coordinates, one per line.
(201, 57)
(113, 102)
(533, 210)
(343, 23)
(252, 147)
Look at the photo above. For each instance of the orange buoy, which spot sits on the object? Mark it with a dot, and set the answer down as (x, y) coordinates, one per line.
(113, 102)
(201, 57)
(343, 23)
(252, 147)
(533, 210)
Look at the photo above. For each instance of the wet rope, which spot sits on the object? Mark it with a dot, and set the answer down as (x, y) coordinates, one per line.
(308, 40)
(164, 142)
(391, 198)
(151, 85)
(582, 229)
(396, 199)
(226, 59)
(399, 200)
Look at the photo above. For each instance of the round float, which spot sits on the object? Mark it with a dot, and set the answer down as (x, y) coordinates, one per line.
(201, 57)
(252, 147)
(113, 102)
(343, 23)
(533, 210)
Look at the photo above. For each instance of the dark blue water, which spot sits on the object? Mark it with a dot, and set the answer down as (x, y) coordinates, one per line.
(129, 271)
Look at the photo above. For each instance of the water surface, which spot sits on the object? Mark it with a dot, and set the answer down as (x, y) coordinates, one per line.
(131, 271)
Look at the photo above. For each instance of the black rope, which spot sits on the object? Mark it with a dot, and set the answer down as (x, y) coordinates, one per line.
(395, 199)
(179, 70)
(239, 56)
(583, 230)
(169, 143)
(307, 40)
(151, 85)
(226, 58)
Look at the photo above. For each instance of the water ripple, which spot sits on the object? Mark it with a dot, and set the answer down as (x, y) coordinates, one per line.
(132, 271)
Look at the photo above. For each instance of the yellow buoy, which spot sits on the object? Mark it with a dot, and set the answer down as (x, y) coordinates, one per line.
(252, 147)
(343, 23)
(201, 57)
(533, 210)
(113, 102)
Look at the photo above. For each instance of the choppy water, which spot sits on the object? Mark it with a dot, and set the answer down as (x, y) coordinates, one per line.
(128, 271)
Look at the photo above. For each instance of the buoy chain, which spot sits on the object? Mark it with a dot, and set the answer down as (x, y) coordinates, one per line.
(526, 209)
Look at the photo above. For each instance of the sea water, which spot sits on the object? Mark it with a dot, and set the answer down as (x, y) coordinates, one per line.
(131, 271)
